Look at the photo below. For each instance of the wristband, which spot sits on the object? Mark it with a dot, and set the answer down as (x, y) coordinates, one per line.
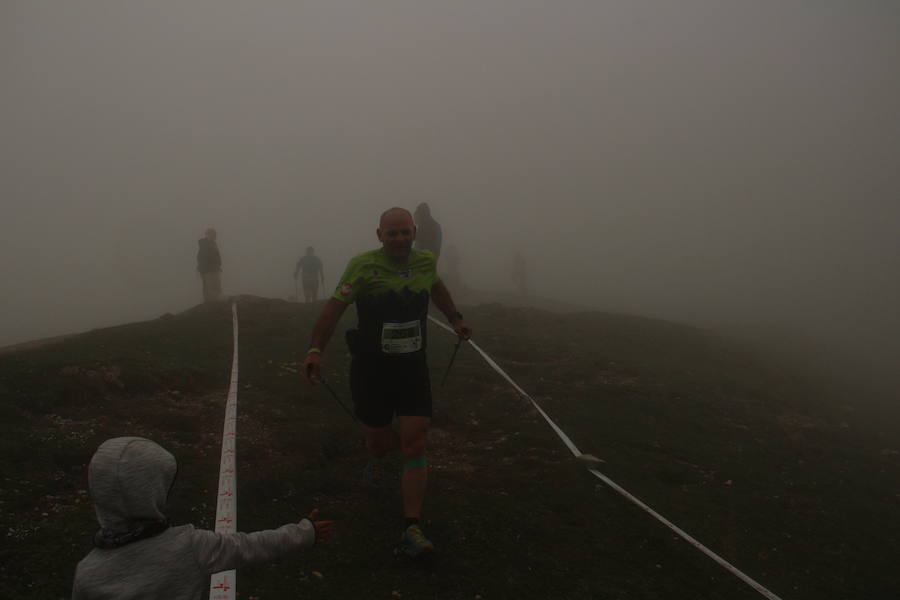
(454, 315)
(313, 351)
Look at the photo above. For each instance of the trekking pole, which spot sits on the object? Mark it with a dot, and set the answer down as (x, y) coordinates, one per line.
(338, 400)
(452, 358)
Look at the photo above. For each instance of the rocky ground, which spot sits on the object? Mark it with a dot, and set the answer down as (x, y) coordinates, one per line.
(786, 480)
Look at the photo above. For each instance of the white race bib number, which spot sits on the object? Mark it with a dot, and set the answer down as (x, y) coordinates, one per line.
(401, 338)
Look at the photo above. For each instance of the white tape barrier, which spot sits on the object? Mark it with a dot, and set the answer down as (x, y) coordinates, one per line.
(575, 451)
(222, 585)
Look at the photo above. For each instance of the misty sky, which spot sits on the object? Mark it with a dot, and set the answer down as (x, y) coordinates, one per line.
(719, 163)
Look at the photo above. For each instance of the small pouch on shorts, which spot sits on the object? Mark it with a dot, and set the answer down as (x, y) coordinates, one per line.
(401, 338)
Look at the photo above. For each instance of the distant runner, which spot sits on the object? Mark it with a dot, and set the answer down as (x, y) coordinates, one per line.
(389, 372)
(209, 265)
(313, 272)
(429, 235)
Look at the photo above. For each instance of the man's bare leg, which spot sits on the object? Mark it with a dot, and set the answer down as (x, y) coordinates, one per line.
(378, 440)
(413, 433)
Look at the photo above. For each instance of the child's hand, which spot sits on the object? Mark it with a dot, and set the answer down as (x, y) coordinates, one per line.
(323, 528)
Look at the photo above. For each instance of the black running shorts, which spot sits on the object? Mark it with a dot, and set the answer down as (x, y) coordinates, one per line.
(310, 285)
(384, 387)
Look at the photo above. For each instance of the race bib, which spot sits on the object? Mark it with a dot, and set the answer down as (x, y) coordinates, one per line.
(401, 338)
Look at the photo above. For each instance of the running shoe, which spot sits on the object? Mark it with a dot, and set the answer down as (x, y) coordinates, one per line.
(414, 544)
(373, 474)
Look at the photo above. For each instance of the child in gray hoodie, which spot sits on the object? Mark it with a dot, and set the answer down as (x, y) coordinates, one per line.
(139, 555)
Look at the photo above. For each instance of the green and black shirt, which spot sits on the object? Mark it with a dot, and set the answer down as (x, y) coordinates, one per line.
(391, 300)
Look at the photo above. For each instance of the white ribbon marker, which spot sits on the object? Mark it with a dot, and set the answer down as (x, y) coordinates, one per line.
(575, 451)
(222, 585)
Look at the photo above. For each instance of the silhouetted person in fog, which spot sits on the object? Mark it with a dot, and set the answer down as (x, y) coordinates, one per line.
(428, 231)
(313, 272)
(519, 275)
(209, 265)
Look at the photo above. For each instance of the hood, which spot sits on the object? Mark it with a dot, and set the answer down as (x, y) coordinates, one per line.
(129, 480)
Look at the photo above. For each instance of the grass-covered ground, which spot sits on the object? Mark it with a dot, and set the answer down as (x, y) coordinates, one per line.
(789, 484)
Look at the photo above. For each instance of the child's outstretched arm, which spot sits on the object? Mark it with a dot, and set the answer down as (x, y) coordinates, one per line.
(323, 528)
(224, 551)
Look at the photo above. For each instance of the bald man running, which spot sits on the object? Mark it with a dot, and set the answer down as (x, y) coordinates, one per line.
(389, 374)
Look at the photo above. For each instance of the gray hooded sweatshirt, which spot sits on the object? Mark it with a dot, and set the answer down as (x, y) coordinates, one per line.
(129, 479)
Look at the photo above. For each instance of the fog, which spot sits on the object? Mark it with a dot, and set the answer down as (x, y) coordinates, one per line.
(733, 165)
